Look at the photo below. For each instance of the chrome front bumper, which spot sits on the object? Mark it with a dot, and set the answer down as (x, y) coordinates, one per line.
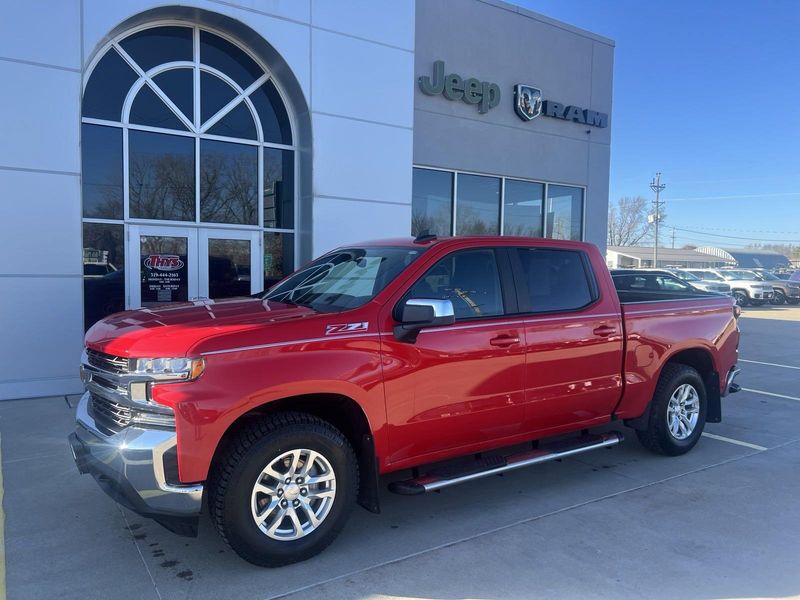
(130, 467)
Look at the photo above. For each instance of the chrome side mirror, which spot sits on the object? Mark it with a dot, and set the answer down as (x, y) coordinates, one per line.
(416, 314)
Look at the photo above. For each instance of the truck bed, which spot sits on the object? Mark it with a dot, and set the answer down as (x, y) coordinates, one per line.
(643, 296)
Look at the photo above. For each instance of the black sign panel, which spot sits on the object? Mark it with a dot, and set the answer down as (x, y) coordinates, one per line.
(164, 278)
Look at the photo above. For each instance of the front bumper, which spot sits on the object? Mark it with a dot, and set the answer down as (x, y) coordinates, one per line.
(130, 467)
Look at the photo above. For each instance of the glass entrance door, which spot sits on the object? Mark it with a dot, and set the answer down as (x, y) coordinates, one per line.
(181, 264)
(163, 264)
(229, 263)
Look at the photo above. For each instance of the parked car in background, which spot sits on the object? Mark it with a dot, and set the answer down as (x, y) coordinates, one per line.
(795, 276)
(654, 280)
(746, 288)
(784, 291)
(718, 287)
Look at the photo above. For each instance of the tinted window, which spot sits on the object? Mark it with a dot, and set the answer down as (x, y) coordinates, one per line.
(228, 183)
(231, 60)
(270, 109)
(161, 176)
(101, 153)
(237, 123)
(278, 257)
(149, 109)
(478, 205)
(111, 80)
(214, 94)
(564, 212)
(523, 208)
(557, 280)
(103, 271)
(178, 85)
(278, 188)
(469, 279)
(159, 45)
(432, 202)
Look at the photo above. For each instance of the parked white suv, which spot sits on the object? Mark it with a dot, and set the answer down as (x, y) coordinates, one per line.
(746, 290)
(718, 287)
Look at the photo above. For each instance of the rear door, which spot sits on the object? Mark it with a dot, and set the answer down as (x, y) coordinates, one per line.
(573, 340)
(461, 385)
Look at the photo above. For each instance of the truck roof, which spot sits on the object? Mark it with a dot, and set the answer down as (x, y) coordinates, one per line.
(486, 240)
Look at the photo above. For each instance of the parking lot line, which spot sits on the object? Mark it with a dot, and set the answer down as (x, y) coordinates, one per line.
(732, 441)
(769, 364)
(784, 396)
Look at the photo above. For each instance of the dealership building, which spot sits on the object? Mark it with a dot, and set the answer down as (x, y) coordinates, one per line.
(153, 153)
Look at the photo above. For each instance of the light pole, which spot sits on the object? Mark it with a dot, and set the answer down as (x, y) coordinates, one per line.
(657, 186)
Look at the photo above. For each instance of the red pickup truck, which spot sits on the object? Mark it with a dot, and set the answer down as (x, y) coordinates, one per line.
(278, 413)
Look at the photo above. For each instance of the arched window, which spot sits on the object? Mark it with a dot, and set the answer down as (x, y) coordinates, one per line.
(188, 152)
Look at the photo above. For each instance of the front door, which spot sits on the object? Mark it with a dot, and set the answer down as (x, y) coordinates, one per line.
(180, 264)
(457, 386)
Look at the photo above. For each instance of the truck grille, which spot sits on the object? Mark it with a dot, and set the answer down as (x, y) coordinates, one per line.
(107, 362)
(109, 414)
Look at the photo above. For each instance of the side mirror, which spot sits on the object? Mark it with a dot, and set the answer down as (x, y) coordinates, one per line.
(417, 314)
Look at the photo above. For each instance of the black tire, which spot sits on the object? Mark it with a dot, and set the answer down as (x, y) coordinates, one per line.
(657, 437)
(778, 298)
(238, 468)
(741, 298)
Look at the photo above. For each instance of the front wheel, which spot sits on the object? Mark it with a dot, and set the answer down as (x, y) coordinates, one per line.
(677, 412)
(741, 298)
(778, 297)
(283, 489)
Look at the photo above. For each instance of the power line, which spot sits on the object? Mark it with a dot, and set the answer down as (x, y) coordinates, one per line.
(740, 230)
(733, 237)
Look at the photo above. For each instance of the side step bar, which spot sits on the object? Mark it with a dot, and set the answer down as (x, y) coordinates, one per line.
(494, 465)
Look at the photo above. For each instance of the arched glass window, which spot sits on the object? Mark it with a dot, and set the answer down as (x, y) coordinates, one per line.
(182, 126)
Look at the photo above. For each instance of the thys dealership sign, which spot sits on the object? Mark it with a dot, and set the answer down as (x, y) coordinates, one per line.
(529, 101)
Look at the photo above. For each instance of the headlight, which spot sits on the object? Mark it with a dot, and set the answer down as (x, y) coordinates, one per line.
(168, 369)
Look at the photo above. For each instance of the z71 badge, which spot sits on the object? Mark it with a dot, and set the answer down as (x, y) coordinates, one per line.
(346, 328)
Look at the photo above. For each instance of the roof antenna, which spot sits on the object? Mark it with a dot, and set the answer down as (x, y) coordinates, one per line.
(424, 236)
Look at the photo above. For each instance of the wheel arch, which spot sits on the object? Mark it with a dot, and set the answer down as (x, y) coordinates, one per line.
(339, 410)
(701, 360)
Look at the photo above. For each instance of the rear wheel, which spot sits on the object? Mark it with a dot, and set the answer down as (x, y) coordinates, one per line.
(741, 298)
(778, 297)
(283, 489)
(677, 412)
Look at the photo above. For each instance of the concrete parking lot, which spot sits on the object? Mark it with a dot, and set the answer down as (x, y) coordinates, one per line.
(720, 522)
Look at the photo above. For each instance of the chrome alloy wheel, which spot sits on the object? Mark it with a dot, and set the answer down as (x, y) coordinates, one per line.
(293, 495)
(683, 410)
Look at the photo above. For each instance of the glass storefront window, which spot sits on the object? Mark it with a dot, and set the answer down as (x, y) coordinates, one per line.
(278, 188)
(522, 204)
(161, 176)
(103, 271)
(477, 205)
(278, 257)
(193, 156)
(432, 202)
(101, 153)
(564, 217)
(228, 183)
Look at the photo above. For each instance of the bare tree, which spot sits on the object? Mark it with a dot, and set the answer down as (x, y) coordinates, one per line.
(627, 221)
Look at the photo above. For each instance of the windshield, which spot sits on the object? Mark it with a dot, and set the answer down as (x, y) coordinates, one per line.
(343, 279)
(686, 276)
(730, 275)
(708, 276)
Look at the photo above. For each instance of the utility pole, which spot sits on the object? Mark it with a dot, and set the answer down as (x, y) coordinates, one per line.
(673, 238)
(656, 186)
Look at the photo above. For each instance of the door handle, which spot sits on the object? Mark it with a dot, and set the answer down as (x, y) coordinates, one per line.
(504, 340)
(604, 330)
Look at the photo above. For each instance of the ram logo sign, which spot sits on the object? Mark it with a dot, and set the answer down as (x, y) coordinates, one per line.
(527, 101)
(163, 262)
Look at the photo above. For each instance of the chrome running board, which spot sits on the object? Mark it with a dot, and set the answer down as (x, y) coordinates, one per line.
(495, 465)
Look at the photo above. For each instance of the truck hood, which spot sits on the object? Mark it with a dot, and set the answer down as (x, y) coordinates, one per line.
(174, 329)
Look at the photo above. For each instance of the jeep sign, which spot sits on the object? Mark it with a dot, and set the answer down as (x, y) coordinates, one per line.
(453, 87)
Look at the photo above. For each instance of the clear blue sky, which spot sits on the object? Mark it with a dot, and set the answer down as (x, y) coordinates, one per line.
(708, 93)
